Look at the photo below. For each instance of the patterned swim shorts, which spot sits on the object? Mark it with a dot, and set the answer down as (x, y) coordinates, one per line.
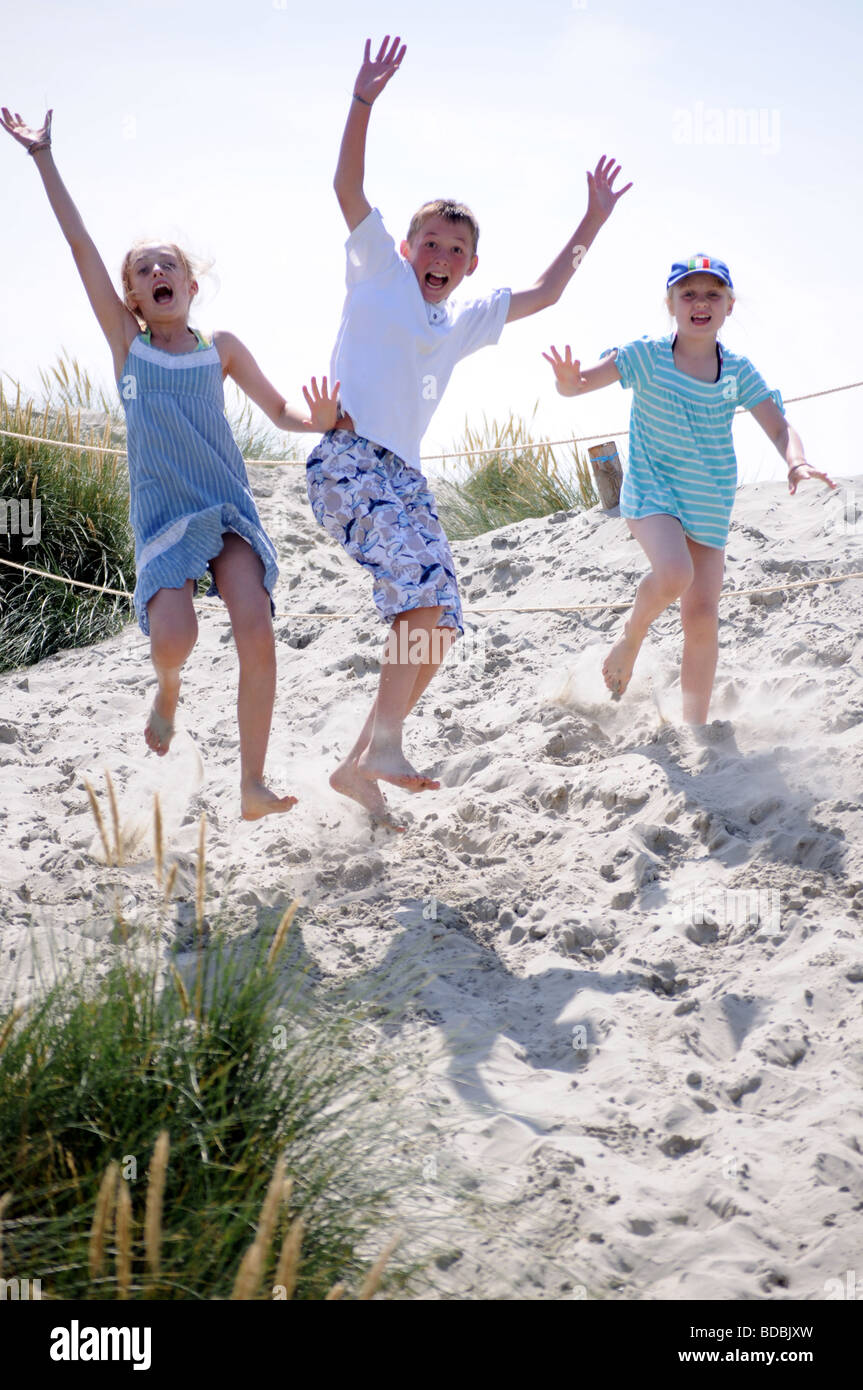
(381, 510)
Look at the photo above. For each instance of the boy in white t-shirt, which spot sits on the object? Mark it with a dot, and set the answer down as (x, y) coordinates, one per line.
(398, 342)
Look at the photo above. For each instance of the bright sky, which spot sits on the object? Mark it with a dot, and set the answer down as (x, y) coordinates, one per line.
(217, 124)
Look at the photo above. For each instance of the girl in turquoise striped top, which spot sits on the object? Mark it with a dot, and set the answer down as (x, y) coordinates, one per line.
(190, 505)
(681, 476)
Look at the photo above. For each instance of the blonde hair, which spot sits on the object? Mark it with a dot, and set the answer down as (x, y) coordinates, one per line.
(193, 266)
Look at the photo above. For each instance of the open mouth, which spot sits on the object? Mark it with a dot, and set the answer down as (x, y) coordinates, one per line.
(163, 294)
(700, 318)
(436, 282)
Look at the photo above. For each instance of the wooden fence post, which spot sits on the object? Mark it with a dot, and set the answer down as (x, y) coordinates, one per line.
(607, 471)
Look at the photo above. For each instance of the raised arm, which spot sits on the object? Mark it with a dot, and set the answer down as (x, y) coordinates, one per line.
(601, 201)
(239, 364)
(789, 444)
(370, 81)
(117, 323)
(572, 381)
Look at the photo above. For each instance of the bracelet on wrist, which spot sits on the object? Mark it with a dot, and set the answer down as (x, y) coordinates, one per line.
(38, 145)
(362, 100)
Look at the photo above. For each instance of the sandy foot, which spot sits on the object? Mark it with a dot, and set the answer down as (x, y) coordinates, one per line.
(391, 765)
(159, 729)
(257, 800)
(347, 780)
(617, 667)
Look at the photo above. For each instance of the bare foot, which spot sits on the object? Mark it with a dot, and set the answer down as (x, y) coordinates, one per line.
(159, 729)
(391, 765)
(350, 783)
(617, 667)
(257, 800)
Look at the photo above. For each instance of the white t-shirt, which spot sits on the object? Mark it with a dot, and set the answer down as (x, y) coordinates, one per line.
(395, 352)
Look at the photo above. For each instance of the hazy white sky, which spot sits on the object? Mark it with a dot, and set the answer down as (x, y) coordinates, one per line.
(218, 123)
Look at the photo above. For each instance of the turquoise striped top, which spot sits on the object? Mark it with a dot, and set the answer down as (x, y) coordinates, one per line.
(187, 479)
(681, 454)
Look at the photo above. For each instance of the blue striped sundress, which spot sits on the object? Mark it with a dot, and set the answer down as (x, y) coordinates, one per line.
(187, 479)
(681, 454)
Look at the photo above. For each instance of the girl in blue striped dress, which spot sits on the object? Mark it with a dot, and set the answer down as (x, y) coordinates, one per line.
(681, 477)
(190, 505)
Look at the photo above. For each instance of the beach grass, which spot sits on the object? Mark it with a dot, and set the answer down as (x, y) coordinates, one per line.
(67, 386)
(65, 511)
(506, 474)
(205, 1131)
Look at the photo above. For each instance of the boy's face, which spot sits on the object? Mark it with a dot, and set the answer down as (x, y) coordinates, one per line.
(441, 255)
(701, 303)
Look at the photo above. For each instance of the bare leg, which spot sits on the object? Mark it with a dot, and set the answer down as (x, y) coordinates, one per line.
(410, 650)
(699, 615)
(662, 539)
(239, 573)
(442, 640)
(173, 633)
(348, 778)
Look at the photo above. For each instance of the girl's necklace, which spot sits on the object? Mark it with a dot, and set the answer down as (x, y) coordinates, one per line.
(697, 376)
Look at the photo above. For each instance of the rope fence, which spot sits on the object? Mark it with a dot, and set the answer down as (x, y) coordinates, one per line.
(73, 446)
(483, 612)
(469, 453)
(424, 458)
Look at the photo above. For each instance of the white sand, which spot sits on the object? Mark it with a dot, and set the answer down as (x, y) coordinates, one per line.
(635, 955)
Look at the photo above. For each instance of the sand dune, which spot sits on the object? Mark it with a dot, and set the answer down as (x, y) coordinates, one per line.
(633, 952)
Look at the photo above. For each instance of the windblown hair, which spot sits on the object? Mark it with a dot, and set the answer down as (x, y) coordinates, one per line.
(193, 266)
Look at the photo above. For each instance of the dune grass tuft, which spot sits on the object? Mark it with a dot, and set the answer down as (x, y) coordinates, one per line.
(516, 476)
(150, 1152)
(82, 532)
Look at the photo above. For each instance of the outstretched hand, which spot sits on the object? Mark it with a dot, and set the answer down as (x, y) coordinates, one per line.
(601, 197)
(31, 138)
(568, 374)
(375, 73)
(800, 472)
(323, 405)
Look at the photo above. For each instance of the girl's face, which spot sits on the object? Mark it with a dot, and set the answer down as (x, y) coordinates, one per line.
(700, 304)
(160, 287)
